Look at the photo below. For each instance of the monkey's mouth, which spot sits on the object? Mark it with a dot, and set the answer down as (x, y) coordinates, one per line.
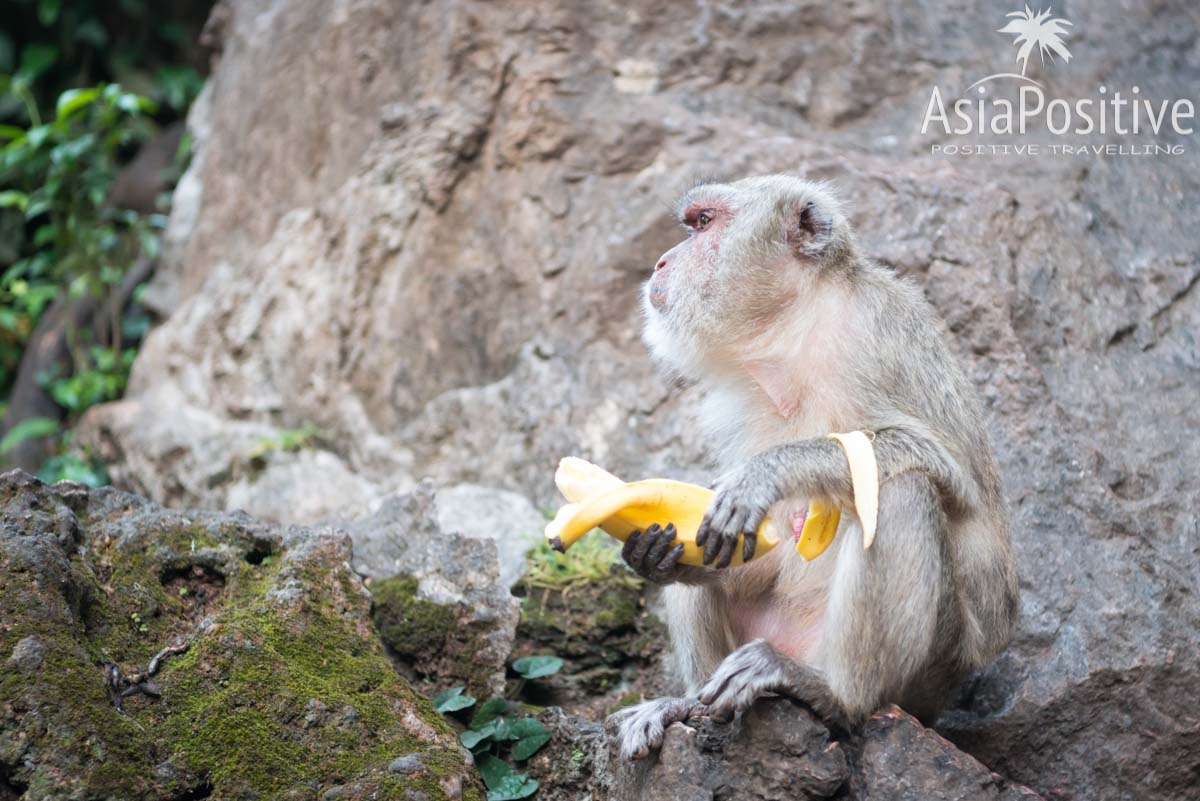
(656, 292)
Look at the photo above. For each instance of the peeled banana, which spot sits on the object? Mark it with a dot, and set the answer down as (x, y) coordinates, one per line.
(597, 498)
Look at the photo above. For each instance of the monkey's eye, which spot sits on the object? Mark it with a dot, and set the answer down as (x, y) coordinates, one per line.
(702, 221)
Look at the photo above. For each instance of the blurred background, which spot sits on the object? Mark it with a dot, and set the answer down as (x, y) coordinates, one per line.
(398, 241)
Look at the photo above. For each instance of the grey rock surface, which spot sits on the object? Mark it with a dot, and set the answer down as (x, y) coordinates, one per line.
(505, 517)
(776, 751)
(461, 573)
(439, 268)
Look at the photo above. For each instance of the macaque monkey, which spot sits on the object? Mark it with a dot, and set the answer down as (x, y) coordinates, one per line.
(770, 307)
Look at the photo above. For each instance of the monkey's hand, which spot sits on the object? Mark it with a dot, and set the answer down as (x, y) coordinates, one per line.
(653, 556)
(741, 502)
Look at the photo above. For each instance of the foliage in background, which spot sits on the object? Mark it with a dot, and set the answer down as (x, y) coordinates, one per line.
(62, 237)
(496, 738)
(82, 85)
(149, 47)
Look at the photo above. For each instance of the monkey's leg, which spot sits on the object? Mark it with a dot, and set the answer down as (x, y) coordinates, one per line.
(880, 625)
(892, 617)
(641, 727)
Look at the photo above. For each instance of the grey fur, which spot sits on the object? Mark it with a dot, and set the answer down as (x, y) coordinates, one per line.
(790, 344)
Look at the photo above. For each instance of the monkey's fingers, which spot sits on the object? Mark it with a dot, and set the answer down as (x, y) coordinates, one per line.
(660, 547)
(648, 538)
(720, 682)
(725, 555)
(749, 543)
(669, 562)
(630, 543)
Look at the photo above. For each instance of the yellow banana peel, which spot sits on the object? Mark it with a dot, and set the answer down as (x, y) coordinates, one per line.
(597, 498)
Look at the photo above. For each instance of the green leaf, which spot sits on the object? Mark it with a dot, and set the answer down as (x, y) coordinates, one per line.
(471, 737)
(11, 132)
(36, 58)
(511, 786)
(488, 711)
(11, 198)
(136, 104)
(493, 770)
(75, 99)
(27, 429)
(534, 667)
(91, 32)
(69, 467)
(530, 735)
(47, 11)
(452, 700)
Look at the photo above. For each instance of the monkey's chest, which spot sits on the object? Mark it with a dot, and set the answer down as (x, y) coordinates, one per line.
(784, 600)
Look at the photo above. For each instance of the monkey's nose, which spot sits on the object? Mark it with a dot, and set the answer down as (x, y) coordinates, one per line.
(661, 263)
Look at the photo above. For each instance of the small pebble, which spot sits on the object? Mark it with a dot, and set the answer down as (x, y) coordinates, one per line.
(409, 763)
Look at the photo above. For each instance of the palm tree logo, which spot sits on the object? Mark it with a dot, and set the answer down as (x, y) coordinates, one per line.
(1038, 30)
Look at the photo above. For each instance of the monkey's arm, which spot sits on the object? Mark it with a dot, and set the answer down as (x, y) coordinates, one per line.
(815, 468)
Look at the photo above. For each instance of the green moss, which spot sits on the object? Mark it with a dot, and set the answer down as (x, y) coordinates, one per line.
(274, 695)
(411, 626)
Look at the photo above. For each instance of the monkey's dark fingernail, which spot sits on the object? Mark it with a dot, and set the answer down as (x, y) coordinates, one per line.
(670, 529)
(652, 529)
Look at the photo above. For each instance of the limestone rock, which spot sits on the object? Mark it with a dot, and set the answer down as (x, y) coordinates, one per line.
(281, 688)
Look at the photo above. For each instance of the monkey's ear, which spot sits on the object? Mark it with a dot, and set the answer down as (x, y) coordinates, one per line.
(810, 229)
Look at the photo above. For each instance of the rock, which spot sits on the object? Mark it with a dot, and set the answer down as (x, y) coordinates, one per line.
(779, 750)
(27, 655)
(899, 759)
(439, 602)
(611, 645)
(440, 271)
(280, 687)
(409, 763)
(506, 517)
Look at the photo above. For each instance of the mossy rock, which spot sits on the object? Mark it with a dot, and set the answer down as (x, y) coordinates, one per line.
(441, 644)
(284, 691)
(611, 645)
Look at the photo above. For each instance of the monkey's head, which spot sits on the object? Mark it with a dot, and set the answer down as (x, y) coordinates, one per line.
(754, 249)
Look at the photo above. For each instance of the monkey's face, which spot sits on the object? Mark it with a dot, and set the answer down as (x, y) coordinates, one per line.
(752, 250)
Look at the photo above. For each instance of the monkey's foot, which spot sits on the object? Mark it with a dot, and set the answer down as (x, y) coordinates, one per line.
(641, 727)
(751, 671)
(756, 669)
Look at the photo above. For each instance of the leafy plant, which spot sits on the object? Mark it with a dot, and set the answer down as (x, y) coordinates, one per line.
(288, 440)
(65, 240)
(535, 667)
(29, 428)
(147, 45)
(494, 734)
(54, 178)
(589, 560)
(452, 700)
